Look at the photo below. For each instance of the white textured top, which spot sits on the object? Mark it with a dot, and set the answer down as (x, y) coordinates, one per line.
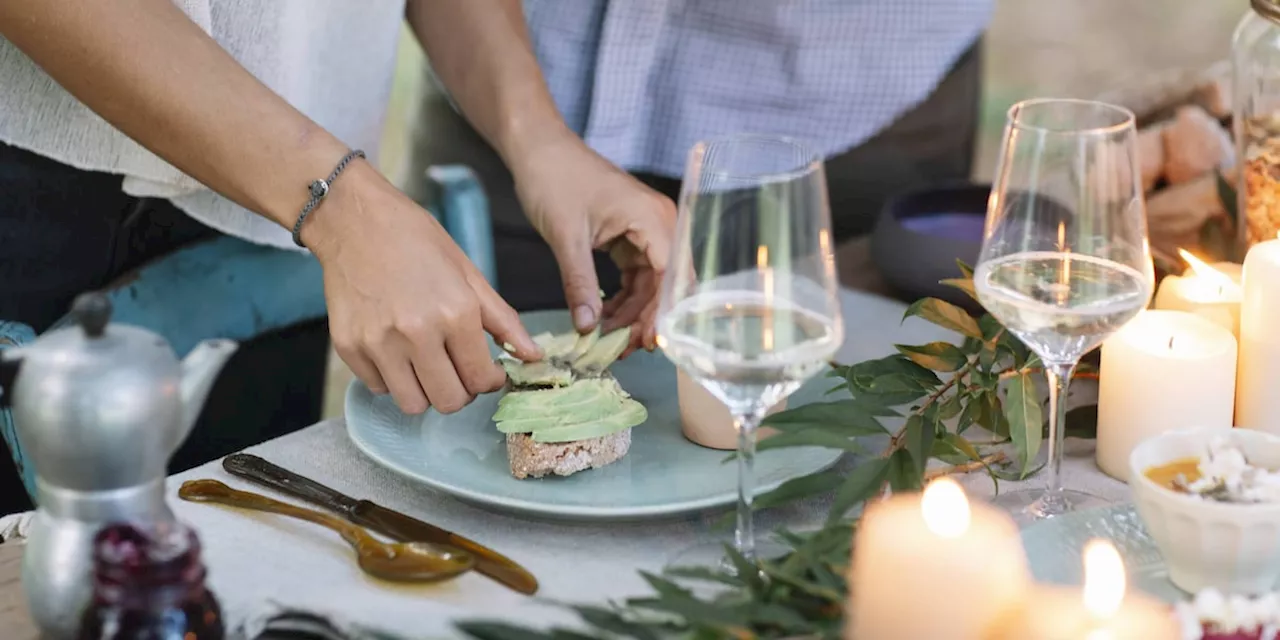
(333, 60)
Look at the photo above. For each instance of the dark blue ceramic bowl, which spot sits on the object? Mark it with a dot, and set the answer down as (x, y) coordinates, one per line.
(920, 235)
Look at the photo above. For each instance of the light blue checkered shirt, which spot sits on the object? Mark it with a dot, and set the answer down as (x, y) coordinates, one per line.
(643, 80)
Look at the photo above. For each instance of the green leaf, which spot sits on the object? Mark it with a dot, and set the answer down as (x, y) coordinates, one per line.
(938, 356)
(921, 430)
(946, 315)
(1010, 344)
(965, 269)
(865, 372)
(991, 328)
(817, 437)
(951, 407)
(863, 482)
(963, 284)
(674, 599)
(947, 452)
(993, 415)
(962, 445)
(903, 475)
(796, 488)
(1022, 410)
(612, 621)
(893, 389)
(848, 416)
(969, 414)
(987, 382)
(745, 568)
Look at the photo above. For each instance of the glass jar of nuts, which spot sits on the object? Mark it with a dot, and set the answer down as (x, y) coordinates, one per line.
(1256, 118)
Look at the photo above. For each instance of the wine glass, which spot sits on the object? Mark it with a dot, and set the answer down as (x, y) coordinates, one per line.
(749, 306)
(1065, 259)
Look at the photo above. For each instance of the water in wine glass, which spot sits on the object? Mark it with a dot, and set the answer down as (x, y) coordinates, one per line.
(1061, 305)
(745, 348)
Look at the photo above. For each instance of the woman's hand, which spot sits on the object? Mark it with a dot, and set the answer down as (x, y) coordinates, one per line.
(580, 202)
(407, 311)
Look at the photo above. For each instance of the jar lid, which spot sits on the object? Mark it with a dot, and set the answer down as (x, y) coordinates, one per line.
(1267, 8)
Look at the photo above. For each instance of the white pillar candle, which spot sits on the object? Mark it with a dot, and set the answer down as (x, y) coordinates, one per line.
(1258, 376)
(934, 566)
(1164, 370)
(1212, 291)
(1101, 611)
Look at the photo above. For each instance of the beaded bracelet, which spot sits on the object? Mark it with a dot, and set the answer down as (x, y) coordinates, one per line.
(318, 190)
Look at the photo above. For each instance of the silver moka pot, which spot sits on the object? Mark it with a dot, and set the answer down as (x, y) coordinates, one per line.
(99, 409)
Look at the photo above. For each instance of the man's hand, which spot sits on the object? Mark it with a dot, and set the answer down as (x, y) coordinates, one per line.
(580, 202)
(407, 310)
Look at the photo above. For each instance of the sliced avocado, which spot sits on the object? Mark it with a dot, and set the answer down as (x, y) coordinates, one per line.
(600, 408)
(536, 374)
(631, 414)
(528, 404)
(560, 396)
(605, 351)
(583, 344)
(556, 345)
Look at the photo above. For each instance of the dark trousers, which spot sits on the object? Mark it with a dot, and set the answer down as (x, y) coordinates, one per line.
(933, 142)
(64, 231)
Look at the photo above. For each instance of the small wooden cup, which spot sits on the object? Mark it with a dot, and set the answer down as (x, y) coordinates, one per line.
(705, 420)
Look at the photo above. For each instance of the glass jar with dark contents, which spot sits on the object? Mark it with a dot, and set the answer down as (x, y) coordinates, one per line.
(149, 585)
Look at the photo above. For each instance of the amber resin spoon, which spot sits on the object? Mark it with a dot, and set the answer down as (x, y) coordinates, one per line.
(397, 561)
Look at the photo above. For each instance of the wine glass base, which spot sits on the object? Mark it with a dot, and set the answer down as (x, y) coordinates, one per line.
(1028, 506)
(712, 554)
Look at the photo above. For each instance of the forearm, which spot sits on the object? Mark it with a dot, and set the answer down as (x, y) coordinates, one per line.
(481, 52)
(152, 73)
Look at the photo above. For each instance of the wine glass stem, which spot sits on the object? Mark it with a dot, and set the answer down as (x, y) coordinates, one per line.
(1059, 379)
(744, 537)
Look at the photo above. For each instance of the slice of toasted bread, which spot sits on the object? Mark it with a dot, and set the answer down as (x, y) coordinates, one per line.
(535, 459)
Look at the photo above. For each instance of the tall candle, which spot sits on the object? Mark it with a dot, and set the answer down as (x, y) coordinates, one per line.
(1103, 610)
(1212, 291)
(1258, 376)
(934, 566)
(1164, 370)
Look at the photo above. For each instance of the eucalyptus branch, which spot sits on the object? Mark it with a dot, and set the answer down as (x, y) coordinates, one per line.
(967, 467)
(896, 442)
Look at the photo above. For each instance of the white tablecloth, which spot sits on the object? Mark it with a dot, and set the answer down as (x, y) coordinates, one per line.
(259, 561)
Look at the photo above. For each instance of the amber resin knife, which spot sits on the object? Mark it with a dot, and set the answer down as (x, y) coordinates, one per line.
(378, 518)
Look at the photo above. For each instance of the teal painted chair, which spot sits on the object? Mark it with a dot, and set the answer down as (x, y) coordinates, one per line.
(230, 288)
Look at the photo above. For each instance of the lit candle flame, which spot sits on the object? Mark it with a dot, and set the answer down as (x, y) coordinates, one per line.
(1202, 270)
(1104, 579)
(945, 508)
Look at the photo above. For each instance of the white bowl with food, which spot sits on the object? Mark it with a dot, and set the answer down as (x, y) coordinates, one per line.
(1210, 498)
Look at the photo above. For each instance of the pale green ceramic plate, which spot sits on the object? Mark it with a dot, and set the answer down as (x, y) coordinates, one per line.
(1055, 549)
(664, 474)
